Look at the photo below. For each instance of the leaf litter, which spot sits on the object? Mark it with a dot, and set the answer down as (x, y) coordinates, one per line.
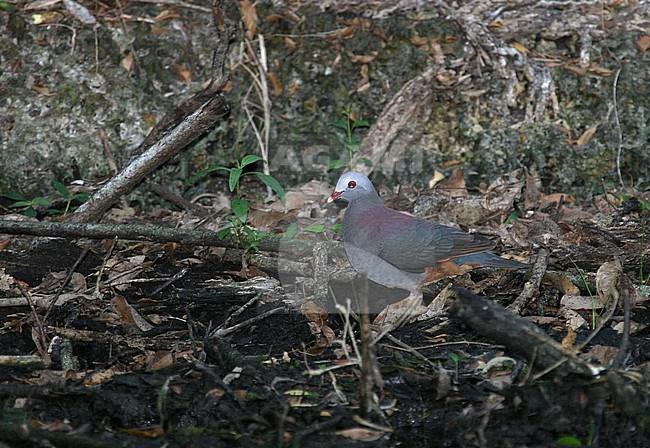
(151, 362)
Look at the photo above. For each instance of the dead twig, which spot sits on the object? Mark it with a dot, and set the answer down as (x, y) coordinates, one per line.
(531, 288)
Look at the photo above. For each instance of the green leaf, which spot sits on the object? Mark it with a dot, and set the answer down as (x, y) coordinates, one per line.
(202, 173)
(221, 234)
(42, 202)
(337, 227)
(247, 160)
(21, 204)
(5, 6)
(29, 212)
(511, 217)
(340, 124)
(240, 209)
(353, 147)
(80, 197)
(454, 357)
(335, 164)
(270, 181)
(291, 231)
(315, 228)
(62, 189)
(15, 196)
(233, 179)
(365, 161)
(360, 124)
(568, 441)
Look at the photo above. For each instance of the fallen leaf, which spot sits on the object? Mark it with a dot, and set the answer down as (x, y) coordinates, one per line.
(576, 70)
(275, 83)
(455, 185)
(437, 177)
(586, 136)
(361, 434)
(600, 71)
(520, 48)
(128, 314)
(570, 339)
(582, 303)
(606, 279)
(560, 282)
(184, 74)
(249, 17)
(503, 192)
(127, 61)
(290, 43)
(364, 59)
(643, 43)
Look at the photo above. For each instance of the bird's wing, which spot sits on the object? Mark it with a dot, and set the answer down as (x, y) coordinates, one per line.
(413, 244)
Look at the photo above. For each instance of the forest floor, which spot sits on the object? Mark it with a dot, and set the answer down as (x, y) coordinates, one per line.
(222, 356)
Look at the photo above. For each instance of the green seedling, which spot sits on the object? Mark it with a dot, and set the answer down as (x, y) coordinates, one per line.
(31, 207)
(235, 226)
(63, 193)
(237, 172)
(348, 124)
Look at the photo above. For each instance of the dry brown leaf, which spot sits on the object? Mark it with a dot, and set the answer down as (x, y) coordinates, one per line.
(150, 433)
(606, 279)
(160, 359)
(586, 136)
(128, 314)
(520, 48)
(127, 61)
(643, 43)
(364, 59)
(317, 318)
(290, 43)
(503, 192)
(600, 71)
(361, 434)
(570, 339)
(437, 177)
(455, 185)
(183, 74)
(275, 83)
(266, 219)
(249, 17)
(576, 70)
(560, 282)
(581, 303)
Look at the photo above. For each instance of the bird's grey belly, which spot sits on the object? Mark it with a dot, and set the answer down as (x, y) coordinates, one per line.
(380, 271)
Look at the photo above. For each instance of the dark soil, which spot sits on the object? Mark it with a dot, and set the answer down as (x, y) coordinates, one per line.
(252, 388)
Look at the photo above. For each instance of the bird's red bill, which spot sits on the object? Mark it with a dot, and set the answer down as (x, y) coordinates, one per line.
(334, 196)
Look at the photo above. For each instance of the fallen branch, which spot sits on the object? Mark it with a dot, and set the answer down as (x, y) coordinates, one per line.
(522, 337)
(172, 133)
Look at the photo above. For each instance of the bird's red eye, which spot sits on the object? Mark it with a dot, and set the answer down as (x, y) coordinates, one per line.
(352, 184)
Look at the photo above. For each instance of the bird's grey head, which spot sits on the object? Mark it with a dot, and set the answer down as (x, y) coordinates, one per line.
(352, 186)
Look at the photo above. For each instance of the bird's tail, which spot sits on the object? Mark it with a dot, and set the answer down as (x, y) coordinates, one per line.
(491, 260)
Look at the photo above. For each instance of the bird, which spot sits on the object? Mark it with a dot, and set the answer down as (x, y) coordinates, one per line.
(398, 250)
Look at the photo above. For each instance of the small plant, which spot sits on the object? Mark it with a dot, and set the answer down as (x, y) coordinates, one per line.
(63, 193)
(235, 226)
(31, 207)
(348, 124)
